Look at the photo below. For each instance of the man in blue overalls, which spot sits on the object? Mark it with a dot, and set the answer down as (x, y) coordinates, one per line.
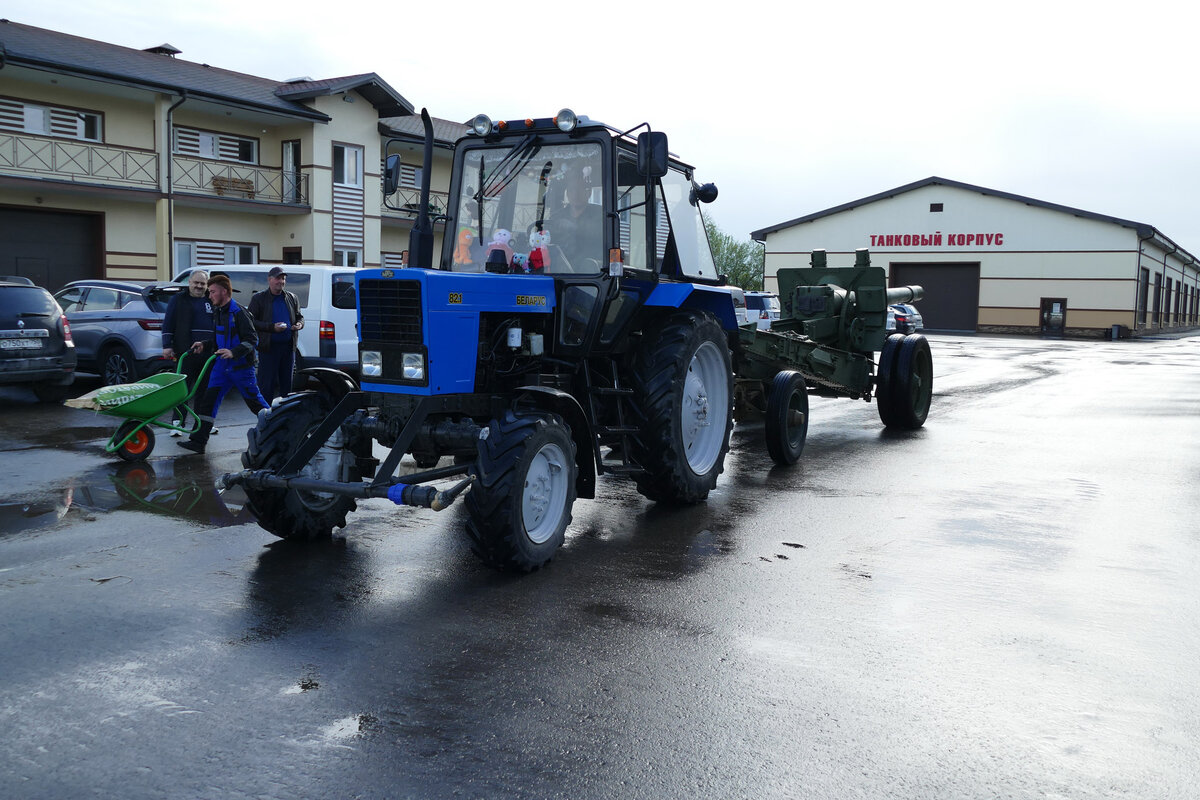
(236, 343)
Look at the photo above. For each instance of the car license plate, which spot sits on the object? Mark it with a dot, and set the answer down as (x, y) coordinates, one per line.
(20, 344)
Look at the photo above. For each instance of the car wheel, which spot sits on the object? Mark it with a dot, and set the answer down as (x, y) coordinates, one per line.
(52, 392)
(116, 365)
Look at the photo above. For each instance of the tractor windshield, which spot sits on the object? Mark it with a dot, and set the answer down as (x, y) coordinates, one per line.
(531, 208)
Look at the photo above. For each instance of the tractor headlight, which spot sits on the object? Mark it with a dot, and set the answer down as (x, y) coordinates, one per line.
(371, 362)
(414, 366)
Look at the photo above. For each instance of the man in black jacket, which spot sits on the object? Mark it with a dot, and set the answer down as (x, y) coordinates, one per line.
(235, 338)
(188, 328)
(278, 320)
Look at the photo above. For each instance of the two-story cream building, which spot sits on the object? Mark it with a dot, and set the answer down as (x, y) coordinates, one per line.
(996, 262)
(124, 163)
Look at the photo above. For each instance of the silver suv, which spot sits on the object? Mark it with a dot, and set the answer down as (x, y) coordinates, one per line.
(117, 326)
(35, 341)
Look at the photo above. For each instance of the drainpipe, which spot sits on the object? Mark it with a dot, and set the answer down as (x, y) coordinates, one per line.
(171, 186)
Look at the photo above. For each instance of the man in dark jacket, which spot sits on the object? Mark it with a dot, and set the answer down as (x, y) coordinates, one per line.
(278, 320)
(188, 328)
(235, 339)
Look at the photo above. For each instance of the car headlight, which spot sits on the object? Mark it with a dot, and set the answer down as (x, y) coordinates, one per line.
(372, 363)
(414, 366)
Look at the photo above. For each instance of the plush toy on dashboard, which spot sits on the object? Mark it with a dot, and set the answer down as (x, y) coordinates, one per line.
(499, 252)
(539, 251)
(462, 248)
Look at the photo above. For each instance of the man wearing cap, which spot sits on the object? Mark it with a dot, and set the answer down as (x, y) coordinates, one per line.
(277, 319)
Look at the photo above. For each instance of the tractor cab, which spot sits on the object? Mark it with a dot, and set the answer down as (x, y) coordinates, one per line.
(605, 213)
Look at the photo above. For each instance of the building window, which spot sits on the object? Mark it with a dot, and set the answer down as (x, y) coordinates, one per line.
(218, 146)
(20, 117)
(347, 258)
(185, 256)
(347, 165)
(1143, 295)
(241, 254)
(935, 207)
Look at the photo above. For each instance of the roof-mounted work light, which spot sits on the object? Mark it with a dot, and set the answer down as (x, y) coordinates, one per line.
(566, 120)
(481, 125)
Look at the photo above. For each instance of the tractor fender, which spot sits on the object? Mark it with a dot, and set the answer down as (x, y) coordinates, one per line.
(333, 382)
(567, 407)
(716, 300)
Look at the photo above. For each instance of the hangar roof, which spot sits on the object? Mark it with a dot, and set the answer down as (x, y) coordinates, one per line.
(1143, 230)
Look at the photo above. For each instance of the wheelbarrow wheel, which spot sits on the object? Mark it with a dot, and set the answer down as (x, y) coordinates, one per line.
(140, 445)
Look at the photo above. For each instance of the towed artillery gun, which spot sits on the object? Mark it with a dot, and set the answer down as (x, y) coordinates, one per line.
(832, 322)
(572, 325)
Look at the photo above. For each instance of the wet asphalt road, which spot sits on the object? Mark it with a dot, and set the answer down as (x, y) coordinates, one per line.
(1002, 604)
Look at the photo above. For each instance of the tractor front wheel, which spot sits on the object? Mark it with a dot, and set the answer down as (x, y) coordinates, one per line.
(296, 514)
(520, 504)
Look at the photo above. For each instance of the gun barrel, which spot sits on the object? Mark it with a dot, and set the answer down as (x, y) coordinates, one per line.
(904, 294)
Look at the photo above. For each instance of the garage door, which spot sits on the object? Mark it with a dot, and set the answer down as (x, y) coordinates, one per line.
(951, 293)
(48, 247)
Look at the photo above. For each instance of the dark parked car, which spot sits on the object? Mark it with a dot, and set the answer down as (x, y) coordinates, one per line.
(904, 318)
(118, 326)
(35, 342)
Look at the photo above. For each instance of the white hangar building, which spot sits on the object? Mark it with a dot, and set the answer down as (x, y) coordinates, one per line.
(994, 262)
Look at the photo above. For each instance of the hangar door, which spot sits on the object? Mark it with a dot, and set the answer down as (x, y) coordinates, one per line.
(951, 293)
(50, 248)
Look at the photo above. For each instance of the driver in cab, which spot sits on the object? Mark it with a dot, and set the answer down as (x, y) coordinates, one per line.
(577, 228)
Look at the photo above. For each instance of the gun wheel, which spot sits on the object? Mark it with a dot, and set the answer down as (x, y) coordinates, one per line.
(904, 385)
(787, 417)
(293, 513)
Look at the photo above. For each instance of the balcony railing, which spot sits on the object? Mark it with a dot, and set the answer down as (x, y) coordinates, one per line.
(405, 202)
(80, 162)
(106, 165)
(223, 179)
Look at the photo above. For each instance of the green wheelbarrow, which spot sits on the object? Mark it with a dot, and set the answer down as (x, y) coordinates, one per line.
(151, 402)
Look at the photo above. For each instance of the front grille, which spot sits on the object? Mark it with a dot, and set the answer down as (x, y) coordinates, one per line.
(390, 311)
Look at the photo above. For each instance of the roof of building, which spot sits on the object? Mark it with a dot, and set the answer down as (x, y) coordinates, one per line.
(156, 69)
(445, 132)
(1143, 230)
(374, 88)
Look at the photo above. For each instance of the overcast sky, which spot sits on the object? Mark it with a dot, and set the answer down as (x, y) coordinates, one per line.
(788, 109)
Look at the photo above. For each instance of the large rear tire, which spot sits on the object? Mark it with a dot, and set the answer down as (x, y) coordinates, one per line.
(296, 514)
(520, 503)
(787, 417)
(683, 398)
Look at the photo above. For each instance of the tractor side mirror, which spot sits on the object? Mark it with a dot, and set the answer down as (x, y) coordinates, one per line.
(705, 193)
(391, 174)
(652, 154)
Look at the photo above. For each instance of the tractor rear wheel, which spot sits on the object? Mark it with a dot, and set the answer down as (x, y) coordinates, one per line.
(787, 417)
(296, 514)
(683, 399)
(520, 504)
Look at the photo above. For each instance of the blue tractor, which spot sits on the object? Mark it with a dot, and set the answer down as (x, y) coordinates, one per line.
(572, 325)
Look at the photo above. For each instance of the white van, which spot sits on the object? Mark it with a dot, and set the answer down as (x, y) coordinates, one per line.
(328, 302)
